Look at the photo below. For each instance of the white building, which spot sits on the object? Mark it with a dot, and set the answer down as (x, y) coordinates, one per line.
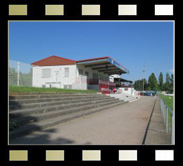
(112, 77)
(60, 72)
(123, 86)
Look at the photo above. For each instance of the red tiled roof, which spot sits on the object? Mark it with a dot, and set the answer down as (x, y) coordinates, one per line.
(54, 61)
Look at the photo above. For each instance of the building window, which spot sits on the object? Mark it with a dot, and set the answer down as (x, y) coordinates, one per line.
(46, 73)
(87, 73)
(80, 72)
(107, 79)
(126, 89)
(95, 76)
(67, 72)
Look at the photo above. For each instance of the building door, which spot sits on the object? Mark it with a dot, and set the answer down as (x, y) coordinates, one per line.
(57, 80)
(56, 76)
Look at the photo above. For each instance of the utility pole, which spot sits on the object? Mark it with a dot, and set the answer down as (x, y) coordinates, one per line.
(144, 69)
(18, 73)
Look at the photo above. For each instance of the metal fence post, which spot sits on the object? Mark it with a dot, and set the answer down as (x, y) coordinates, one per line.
(164, 110)
(167, 119)
(173, 129)
(18, 73)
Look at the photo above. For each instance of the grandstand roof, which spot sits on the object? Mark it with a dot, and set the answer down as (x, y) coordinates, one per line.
(123, 80)
(104, 64)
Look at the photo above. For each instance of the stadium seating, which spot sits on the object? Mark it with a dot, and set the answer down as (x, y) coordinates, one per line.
(28, 113)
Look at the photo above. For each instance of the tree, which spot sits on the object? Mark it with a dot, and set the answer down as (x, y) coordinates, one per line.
(161, 81)
(138, 85)
(148, 88)
(171, 80)
(167, 83)
(171, 83)
(145, 83)
(152, 82)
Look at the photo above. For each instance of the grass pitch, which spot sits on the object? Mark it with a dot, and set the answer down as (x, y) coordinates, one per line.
(31, 90)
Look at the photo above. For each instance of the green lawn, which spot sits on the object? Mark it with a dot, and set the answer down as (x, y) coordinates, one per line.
(30, 90)
(168, 100)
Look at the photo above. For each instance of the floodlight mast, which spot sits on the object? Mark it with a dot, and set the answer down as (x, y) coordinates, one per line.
(144, 69)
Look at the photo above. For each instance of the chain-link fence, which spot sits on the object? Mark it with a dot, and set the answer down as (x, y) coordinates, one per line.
(169, 119)
(20, 74)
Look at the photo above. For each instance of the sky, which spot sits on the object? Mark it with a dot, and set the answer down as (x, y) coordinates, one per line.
(132, 44)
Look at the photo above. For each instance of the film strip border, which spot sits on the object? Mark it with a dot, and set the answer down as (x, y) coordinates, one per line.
(90, 10)
(96, 10)
(90, 155)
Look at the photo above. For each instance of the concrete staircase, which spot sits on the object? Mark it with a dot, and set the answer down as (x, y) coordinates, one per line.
(28, 113)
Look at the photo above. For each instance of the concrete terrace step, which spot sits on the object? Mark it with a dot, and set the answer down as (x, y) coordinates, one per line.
(38, 117)
(64, 98)
(37, 126)
(48, 103)
(124, 97)
(29, 111)
(47, 96)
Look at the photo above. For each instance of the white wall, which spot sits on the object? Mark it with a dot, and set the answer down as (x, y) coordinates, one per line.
(57, 78)
(130, 91)
(81, 82)
(111, 77)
